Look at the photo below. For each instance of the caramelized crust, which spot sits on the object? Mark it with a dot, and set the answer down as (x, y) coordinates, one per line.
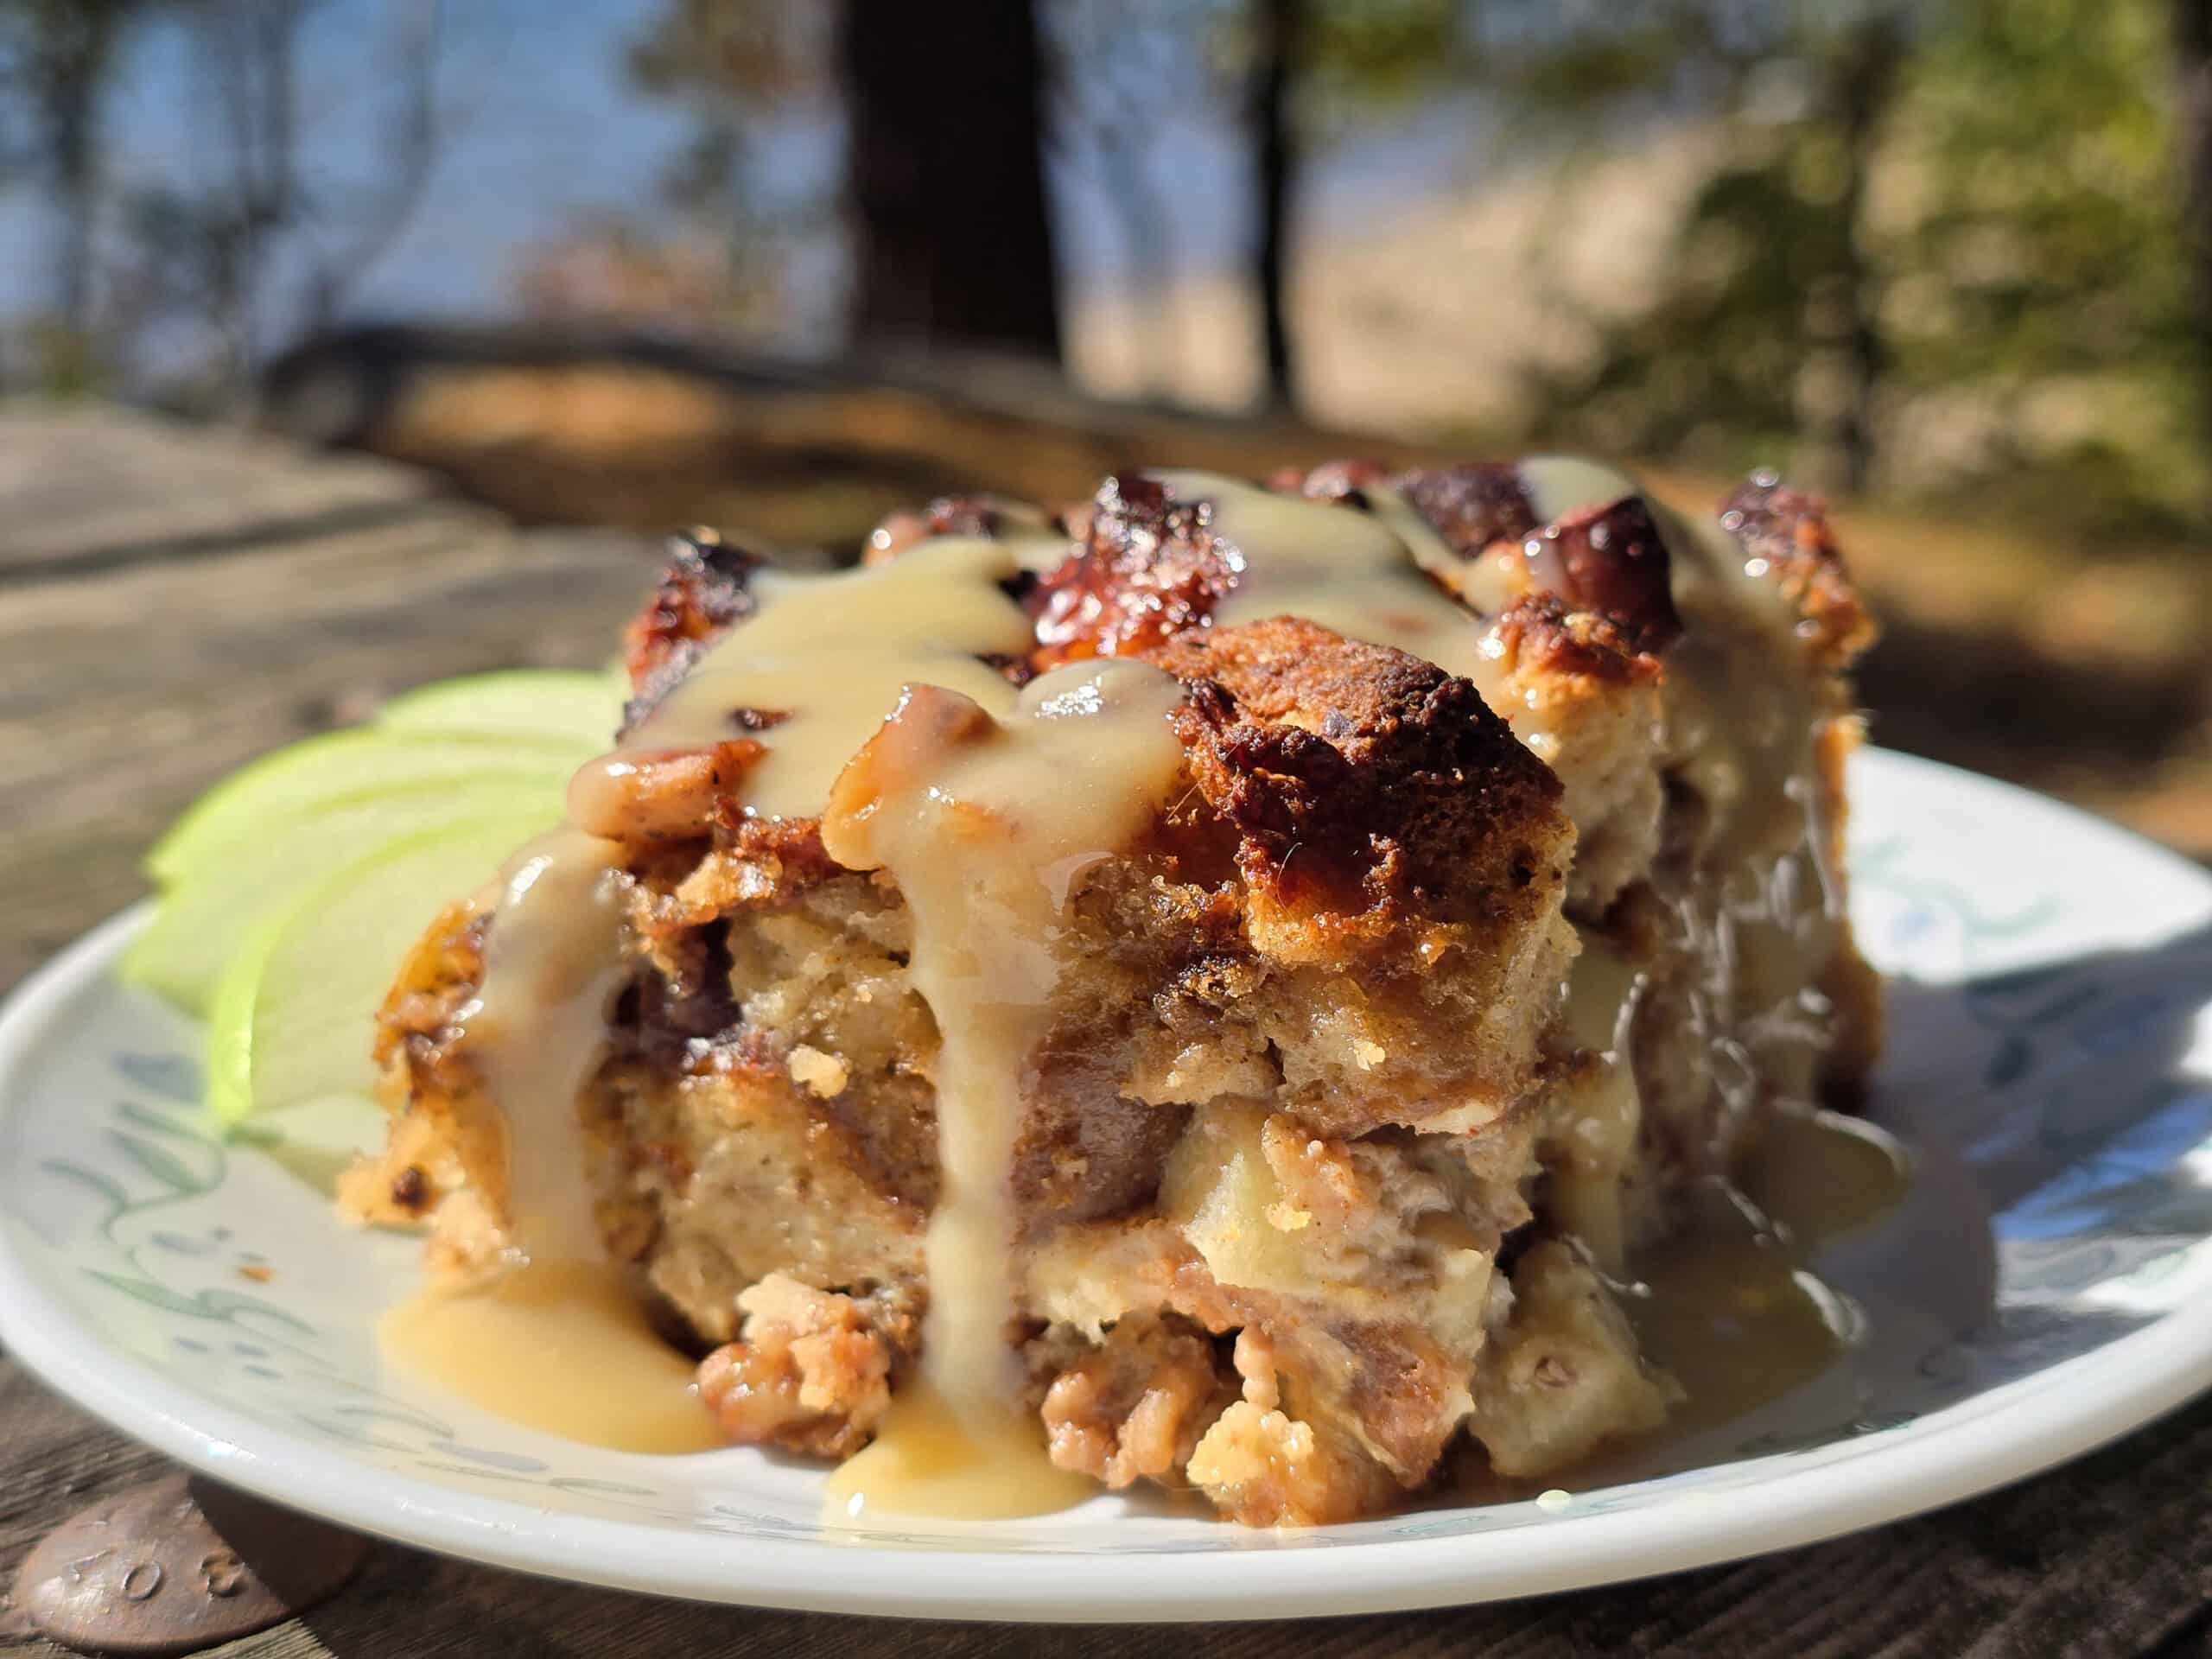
(1609, 560)
(949, 515)
(1148, 568)
(1541, 636)
(1133, 1407)
(445, 1138)
(666, 796)
(1472, 506)
(811, 1372)
(703, 590)
(1576, 647)
(1361, 780)
(1790, 531)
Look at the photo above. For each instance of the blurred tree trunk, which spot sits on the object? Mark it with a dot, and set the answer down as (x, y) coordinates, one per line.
(1279, 24)
(62, 56)
(1872, 57)
(76, 173)
(947, 175)
(2193, 60)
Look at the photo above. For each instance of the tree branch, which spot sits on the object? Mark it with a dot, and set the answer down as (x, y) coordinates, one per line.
(410, 157)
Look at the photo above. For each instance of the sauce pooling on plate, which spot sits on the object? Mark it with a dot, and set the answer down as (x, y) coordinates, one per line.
(1731, 1302)
(565, 1347)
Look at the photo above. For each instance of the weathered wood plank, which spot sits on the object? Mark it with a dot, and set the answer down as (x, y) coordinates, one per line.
(123, 695)
(89, 484)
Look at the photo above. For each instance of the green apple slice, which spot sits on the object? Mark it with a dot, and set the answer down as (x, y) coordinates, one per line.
(293, 1017)
(211, 910)
(521, 702)
(244, 813)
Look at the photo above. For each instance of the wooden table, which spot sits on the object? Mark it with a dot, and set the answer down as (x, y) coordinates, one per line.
(174, 600)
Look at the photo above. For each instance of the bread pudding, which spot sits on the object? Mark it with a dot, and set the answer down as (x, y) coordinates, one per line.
(1213, 987)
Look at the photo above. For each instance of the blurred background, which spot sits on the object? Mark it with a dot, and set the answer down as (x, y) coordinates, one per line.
(783, 266)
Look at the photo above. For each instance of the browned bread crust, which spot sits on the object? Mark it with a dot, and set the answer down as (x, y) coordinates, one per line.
(702, 594)
(1789, 531)
(1363, 781)
(1288, 1185)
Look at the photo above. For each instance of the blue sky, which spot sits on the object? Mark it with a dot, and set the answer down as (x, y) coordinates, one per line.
(545, 131)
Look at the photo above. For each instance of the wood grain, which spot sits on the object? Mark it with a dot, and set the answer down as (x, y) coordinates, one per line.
(124, 694)
(139, 662)
(86, 487)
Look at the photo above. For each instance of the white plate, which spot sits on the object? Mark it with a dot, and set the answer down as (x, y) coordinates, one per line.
(2042, 1291)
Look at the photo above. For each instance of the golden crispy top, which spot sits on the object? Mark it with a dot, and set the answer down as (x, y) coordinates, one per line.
(1298, 735)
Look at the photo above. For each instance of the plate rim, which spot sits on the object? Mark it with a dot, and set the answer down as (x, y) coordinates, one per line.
(1956, 1453)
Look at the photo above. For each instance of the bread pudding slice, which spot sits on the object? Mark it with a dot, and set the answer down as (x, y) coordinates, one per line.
(1233, 975)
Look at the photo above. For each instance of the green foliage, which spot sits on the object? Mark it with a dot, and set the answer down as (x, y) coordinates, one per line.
(1362, 55)
(1941, 250)
(2050, 218)
(1710, 370)
(2043, 261)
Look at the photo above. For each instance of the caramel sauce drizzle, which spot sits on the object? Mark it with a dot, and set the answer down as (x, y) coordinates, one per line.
(989, 826)
(868, 701)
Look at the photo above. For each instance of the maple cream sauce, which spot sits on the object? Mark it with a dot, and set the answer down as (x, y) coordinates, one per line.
(561, 1346)
(1350, 571)
(1558, 485)
(1729, 1302)
(825, 658)
(989, 826)
(947, 801)
(552, 962)
(1740, 719)
(1602, 1109)
(811, 676)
